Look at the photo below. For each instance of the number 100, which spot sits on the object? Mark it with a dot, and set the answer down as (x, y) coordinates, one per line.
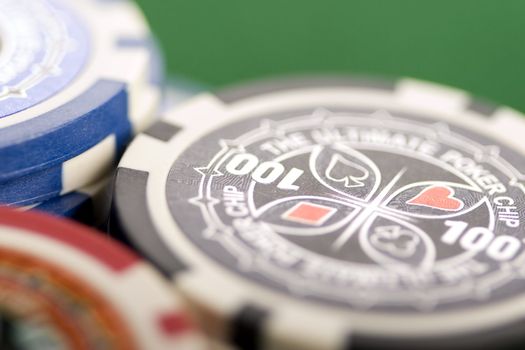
(479, 239)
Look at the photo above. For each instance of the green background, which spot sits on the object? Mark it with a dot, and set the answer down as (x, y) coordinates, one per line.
(475, 45)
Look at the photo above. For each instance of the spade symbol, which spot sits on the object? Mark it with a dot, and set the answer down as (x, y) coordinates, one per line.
(343, 170)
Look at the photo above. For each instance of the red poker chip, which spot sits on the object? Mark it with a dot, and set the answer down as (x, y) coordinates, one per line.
(69, 286)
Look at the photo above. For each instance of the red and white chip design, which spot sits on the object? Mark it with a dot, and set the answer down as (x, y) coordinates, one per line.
(67, 286)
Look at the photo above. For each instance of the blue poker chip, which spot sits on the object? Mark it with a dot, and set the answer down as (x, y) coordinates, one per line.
(89, 205)
(78, 171)
(72, 73)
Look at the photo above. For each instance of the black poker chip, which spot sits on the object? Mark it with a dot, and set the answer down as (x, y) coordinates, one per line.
(333, 213)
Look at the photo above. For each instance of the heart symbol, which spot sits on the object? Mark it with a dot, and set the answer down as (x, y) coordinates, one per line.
(437, 197)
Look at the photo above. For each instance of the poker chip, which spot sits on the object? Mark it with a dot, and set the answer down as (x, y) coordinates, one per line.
(79, 171)
(88, 205)
(63, 286)
(72, 75)
(332, 213)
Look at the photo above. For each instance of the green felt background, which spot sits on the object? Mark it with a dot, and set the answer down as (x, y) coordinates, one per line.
(476, 45)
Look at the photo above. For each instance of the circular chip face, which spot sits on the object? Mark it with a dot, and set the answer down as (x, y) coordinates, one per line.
(326, 212)
(38, 32)
(72, 73)
(63, 286)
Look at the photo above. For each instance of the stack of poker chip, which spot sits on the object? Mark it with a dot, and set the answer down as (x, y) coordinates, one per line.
(301, 213)
(77, 80)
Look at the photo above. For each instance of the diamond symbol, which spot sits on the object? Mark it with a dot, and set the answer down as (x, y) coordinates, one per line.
(309, 213)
